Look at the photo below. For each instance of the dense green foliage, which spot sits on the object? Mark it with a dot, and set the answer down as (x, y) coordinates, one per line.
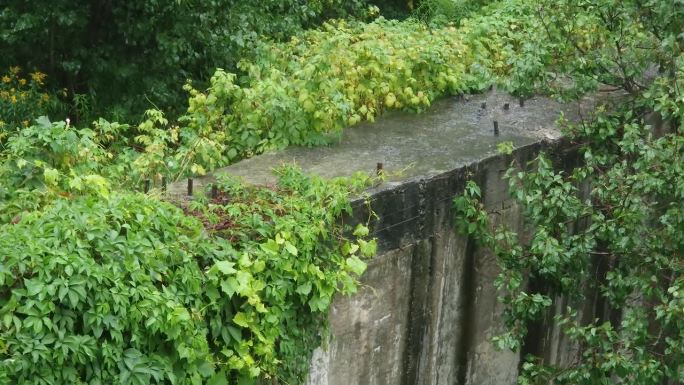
(610, 230)
(305, 91)
(116, 287)
(103, 285)
(437, 12)
(114, 58)
(113, 287)
(328, 79)
(21, 99)
(58, 157)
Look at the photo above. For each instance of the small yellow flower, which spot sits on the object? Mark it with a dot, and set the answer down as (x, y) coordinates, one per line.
(13, 99)
(22, 82)
(25, 123)
(15, 70)
(44, 97)
(6, 79)
(38, 77)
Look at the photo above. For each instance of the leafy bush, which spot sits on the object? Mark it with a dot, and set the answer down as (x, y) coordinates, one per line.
(22, 99)
(49, 159)
(62, 183)
(447, 11)
(119, 56)
(514, 53)
(241, 292)
(305, 91)
(126, 289)
(98, 291)
(606, 232)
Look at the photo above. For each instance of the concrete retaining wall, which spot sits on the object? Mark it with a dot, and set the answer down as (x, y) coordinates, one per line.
(428, 307)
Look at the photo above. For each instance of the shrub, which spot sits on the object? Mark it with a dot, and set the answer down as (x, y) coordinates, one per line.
(21, 99)
(126, 289)
(305, 91)
(123, 55)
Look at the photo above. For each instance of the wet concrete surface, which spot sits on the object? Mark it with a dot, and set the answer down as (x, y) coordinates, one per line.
(453, 132)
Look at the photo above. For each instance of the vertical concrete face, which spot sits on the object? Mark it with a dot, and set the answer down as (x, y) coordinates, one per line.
(485, 364)
(369, 329)
(405, 326)
(428, 309)
(442, 345)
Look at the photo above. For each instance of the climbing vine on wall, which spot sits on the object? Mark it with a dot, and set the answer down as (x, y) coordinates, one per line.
(610, 228)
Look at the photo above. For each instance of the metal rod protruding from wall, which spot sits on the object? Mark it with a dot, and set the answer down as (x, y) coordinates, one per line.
(378, 168)
(496, 128)
(189, 187)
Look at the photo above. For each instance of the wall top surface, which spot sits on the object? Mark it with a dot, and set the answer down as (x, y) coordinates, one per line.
(453, 132)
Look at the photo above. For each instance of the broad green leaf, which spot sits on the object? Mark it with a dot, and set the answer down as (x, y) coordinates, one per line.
(219, 378)
(225, 267)
(51, 176)
(356, 265)
(33, 286)
(241, 319)
(229, 286)
(361, 230)
(368, 248)
(304, 288)
(290, 248)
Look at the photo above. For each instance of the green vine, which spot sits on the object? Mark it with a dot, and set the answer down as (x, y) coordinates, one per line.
(608, 230)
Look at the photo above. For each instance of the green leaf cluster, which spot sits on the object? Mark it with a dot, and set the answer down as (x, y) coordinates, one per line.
(306, 90)
(602, 253)
(22, 97)
(129, 289)
(113, 58)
